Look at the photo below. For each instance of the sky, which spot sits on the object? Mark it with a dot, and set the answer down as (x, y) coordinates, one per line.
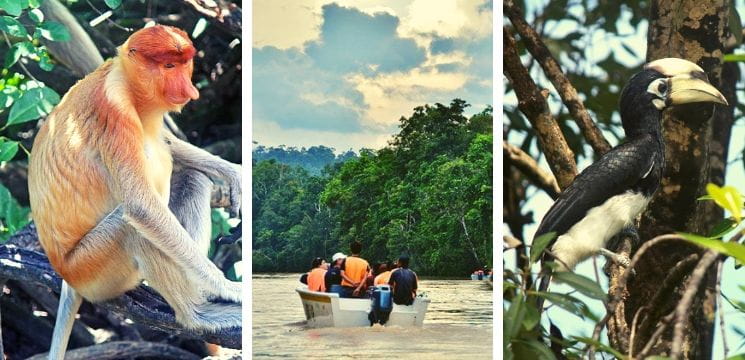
(539, 203)
(342, 73)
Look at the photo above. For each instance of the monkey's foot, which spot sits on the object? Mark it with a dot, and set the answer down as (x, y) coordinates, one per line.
(619, 259)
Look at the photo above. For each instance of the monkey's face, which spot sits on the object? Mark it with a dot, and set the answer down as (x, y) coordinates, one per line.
(164, 58)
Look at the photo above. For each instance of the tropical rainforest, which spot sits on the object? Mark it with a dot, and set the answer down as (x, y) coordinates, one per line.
(427, 194)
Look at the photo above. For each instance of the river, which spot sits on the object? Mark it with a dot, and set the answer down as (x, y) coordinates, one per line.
(458, 324)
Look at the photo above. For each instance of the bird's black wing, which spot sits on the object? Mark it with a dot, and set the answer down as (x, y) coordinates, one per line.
(614, 173)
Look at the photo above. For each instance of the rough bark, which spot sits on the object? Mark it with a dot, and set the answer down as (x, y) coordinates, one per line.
(533, 104)
(692, 30)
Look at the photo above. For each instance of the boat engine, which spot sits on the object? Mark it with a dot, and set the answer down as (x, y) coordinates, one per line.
(382, 304)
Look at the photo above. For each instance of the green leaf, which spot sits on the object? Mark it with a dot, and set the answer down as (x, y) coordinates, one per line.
(705, 197)
(12, 26)
(723, 228)
(12, 56)
(539, 244)
(513, 318)
(540, 350)
(33, 104)
(12, 7)
(582, 284)
(45, 63)
(734, 250)
(54, 31)
(733, 57)
(36, 15)
(532, 318)
(8, 150)
(113, 4)
(728, 198)
(16, 51)
(566, 302)
(600, 346)
(34, 3)
(737, 357)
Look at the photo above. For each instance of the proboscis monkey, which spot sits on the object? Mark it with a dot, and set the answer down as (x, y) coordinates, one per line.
(117, 199)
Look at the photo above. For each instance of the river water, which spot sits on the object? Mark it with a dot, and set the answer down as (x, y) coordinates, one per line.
(458, 324)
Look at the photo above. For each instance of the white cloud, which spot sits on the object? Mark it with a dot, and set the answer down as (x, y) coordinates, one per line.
(390, 96)
(452, 19)
(290, 23)
(285, 23)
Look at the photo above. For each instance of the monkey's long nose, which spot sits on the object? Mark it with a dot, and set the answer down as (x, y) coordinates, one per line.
(192, 92)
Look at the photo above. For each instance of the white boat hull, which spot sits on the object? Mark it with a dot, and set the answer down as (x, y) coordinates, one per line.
(328, 310)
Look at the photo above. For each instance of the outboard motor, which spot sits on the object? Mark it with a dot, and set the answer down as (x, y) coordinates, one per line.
(382, 304)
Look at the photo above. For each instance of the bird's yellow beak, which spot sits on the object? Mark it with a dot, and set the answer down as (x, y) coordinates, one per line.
(685, 89)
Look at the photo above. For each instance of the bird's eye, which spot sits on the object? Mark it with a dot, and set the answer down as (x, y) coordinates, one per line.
(170, 66)
(662, 88)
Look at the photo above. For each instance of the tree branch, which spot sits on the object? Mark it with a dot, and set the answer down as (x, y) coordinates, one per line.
(229, 20)
(529, 167)
(125, 350)
(551, 68)
(18, 261)
(533, 104)
(681, 311)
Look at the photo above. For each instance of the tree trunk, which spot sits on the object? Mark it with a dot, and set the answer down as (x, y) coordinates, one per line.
(695, 155)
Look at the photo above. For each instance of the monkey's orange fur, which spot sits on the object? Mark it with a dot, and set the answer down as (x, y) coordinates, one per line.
(108, 125)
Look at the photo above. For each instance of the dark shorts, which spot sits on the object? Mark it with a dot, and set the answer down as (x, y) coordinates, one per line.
(347, 291)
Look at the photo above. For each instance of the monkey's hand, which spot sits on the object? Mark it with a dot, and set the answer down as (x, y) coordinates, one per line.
(233, 178)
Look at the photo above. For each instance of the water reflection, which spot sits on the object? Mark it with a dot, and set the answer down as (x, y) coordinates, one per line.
(458, 324)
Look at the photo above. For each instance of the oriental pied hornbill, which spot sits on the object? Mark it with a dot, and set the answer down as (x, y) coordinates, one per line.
(609, 194)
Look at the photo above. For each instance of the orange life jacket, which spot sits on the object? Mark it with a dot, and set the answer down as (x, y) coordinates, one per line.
(383, 278)
(315, 280)
(355, 268)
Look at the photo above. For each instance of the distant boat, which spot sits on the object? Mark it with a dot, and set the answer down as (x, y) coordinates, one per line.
(480, 277)
(324, 309)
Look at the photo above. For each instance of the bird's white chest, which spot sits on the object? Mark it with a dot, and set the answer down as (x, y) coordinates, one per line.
(601, 223)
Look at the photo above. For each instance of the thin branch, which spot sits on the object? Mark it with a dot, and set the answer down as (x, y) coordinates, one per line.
(674, 279)
(529, 167)
(229, 20)
(722, 326)
(533, 104)
(684, 306)
(692, 287)
(656, 335)
(616, 297)
(551, 68)
(108, 18)
(633, 330)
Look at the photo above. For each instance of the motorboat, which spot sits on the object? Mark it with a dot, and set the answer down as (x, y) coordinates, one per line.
(324, 309)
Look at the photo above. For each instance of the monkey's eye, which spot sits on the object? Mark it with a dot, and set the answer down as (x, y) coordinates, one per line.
(170, 66)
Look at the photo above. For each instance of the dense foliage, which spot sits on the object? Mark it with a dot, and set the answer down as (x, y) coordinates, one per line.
(427, 194)
(314, 159)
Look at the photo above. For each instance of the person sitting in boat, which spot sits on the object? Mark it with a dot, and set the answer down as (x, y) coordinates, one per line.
(316, 275)
(354, 271)
(333, 275)
(384, 273)
(403, 283)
